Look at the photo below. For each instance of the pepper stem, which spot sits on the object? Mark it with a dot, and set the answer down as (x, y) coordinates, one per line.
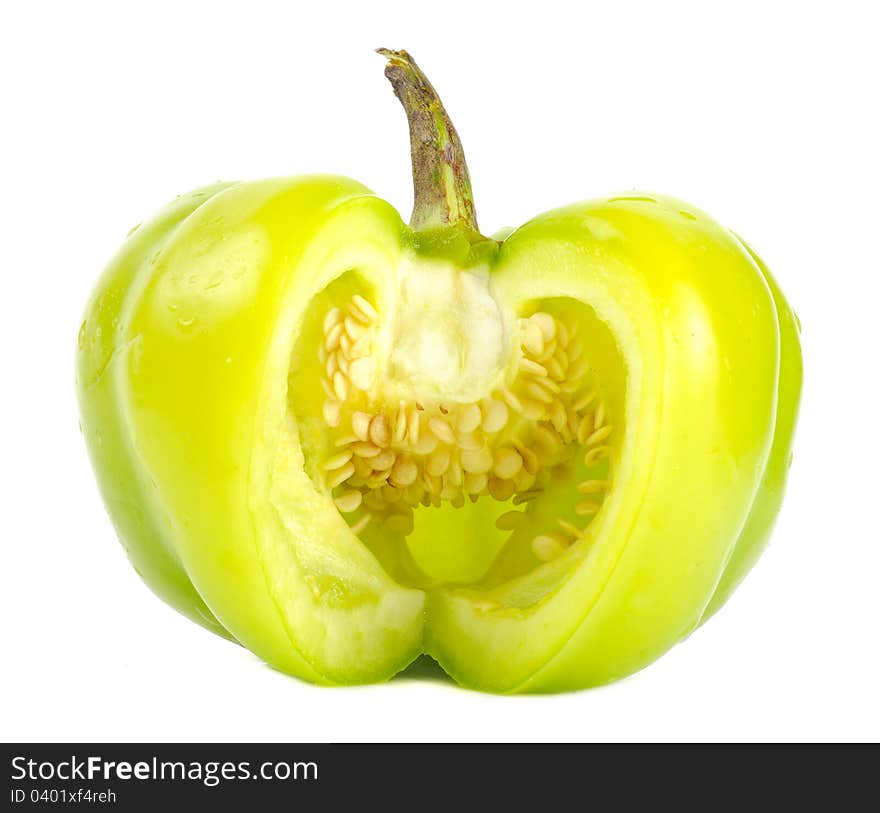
(442, 186)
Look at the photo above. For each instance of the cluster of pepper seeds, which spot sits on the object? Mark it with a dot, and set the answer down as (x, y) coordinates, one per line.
(389, 460)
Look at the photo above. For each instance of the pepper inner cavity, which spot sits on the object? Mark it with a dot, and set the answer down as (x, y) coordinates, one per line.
(387, 458)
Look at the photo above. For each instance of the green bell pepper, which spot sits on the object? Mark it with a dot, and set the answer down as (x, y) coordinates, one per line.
(342, 441)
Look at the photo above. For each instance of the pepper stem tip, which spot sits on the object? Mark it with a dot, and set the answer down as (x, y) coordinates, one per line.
(441, 182)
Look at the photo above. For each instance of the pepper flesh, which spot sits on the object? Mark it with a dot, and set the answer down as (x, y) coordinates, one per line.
(196, 413)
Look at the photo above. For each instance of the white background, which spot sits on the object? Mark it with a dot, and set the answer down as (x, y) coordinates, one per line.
(764, 114)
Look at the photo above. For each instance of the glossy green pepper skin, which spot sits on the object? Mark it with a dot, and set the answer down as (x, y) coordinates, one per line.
(182, 375)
